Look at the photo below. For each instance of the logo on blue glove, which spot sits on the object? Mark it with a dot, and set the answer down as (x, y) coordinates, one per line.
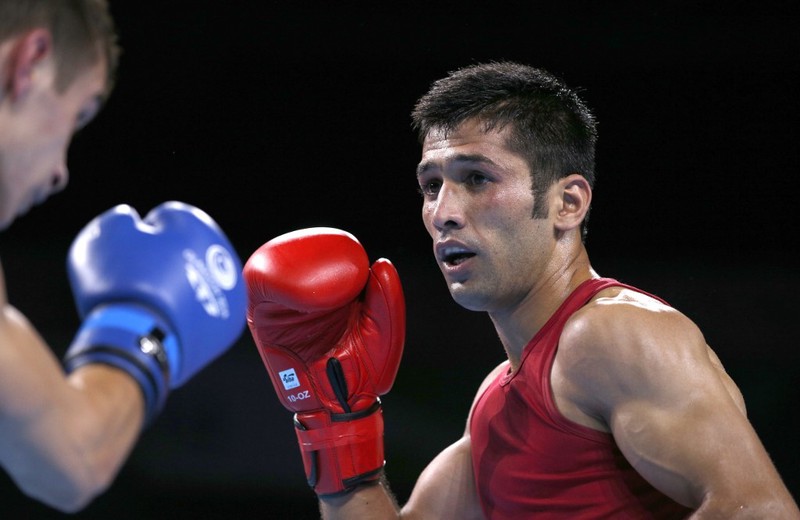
(210, 276)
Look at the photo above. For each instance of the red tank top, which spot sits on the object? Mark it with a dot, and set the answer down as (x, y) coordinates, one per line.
(530, 461)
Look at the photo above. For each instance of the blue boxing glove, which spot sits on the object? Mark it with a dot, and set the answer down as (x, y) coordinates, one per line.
(160, 297)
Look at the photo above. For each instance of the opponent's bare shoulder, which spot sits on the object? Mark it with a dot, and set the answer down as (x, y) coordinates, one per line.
(20, 345)
(3, 297)
(11, 320)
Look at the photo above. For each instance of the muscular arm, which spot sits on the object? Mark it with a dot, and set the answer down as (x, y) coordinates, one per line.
(644, 372)
(62, 439)
(444, 491)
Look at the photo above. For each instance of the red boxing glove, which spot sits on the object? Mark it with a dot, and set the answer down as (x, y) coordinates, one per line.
(330, 330)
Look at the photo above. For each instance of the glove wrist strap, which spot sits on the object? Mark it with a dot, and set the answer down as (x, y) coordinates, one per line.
(341, 451)
(131, 338)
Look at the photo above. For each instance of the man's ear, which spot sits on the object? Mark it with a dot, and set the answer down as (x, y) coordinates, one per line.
(574, 197)
(31, 48)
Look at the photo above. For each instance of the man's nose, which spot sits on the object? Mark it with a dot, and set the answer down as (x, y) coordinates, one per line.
(448, 208)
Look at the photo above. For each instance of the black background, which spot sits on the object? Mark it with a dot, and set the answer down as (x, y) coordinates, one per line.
(274, 116)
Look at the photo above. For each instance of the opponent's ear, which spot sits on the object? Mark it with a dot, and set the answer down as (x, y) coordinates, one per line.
(31, 49)
(573, 201)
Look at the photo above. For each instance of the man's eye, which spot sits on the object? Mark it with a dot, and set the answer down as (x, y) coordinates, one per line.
(429, 189)
(476, 179)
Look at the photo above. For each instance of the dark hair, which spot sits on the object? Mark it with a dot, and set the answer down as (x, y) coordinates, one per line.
(83, 32)
(550, 126)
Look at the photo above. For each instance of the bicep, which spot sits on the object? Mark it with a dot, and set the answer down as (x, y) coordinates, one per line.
(687, 446)
(446, 488)
(31, 392)
(28, 367)
(31, 376)
(61, 439)
(678, 419)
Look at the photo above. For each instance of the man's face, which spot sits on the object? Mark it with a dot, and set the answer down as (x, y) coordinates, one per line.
(37, 127)
(477, 207)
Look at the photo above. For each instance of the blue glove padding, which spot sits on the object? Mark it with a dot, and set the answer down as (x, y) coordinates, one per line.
(161, 297)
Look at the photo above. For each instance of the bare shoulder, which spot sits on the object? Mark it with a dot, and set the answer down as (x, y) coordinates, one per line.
(625, 343)
(3, 297)
(494, 374)
(446, 488)
(496, 371)
(632, 366)
(10, 318)
(620, 322)
(8, 314)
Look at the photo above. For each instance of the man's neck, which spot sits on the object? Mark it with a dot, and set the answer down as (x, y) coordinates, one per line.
(518, 325)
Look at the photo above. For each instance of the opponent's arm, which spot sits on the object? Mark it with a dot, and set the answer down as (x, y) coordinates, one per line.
(62, 439)
(159, 297)
(646, 370)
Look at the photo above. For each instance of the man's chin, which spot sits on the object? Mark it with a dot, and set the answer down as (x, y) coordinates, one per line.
(469, 299)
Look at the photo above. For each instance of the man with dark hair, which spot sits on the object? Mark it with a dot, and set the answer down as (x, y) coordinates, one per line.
(148, 325)
(610, 403)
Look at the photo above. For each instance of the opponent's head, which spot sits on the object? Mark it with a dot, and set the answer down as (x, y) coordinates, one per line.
(58, 59)
(547, 123)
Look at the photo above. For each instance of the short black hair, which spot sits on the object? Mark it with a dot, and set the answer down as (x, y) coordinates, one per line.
(550, 126)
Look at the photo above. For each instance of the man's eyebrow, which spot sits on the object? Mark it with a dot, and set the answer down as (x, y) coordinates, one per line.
(460, 158)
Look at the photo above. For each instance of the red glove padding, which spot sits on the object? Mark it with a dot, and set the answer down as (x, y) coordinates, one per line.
(331, 331)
